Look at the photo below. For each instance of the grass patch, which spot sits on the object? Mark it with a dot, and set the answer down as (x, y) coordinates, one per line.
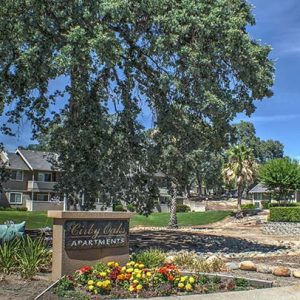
(38, 219)
(33, 219)
(184, 219)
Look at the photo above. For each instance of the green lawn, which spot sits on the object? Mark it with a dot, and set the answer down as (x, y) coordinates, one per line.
(34, 219)
(184, 219)
(39, 219)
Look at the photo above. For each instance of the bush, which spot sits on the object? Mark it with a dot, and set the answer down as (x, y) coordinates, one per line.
(119, 207)
(283, 204)
(182, 208)
(285, 214)
(248, 206)
(191, 261)
(130, 207)
(32, 257)
(151, 258)
(21, 208)
(23, 256)
(265, 204)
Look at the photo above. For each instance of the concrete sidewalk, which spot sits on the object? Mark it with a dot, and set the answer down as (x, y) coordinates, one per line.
(280, 293)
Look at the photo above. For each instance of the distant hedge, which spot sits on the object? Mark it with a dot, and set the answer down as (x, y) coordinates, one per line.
(284, 204)
(21, 208)
(285, 214)
(248, 206)
(182, 208)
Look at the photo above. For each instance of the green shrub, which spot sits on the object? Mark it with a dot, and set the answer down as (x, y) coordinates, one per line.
(248, 206)
(21, 208)
(283, 204)
(8, 252)
(24, 256)
(119, 207)
(284, 214)
(130, 207)
(151, 258)
(265, 204)
(182, 208)
(33, 256)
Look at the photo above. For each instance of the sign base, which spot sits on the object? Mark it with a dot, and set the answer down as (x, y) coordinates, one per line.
(85, 238)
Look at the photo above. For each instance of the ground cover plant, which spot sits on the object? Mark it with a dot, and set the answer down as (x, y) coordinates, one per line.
(134, 279)
(24, 256)
(38, 219)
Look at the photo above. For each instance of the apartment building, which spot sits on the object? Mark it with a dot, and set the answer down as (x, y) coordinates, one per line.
(32, 181)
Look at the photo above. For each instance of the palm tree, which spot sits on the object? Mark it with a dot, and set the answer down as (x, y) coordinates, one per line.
(240, 170)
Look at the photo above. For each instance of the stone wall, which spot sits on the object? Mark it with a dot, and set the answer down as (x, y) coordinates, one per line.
(282, 228)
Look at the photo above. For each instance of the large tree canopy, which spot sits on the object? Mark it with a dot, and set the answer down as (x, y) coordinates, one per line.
(191, 62)
(263, 150)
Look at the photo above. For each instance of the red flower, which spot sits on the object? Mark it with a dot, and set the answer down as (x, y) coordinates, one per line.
(169, 271)
(85, 269)
(114, 273)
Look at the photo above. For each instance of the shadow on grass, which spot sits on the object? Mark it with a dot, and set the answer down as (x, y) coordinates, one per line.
(176, 241)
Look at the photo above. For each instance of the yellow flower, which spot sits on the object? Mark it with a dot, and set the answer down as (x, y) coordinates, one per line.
(180, 285)
(139, 287)
(135, 281)
(116, 264)
(111, 263)
(191, 280)
(139, 275)
(137, 271)
(136, 265)
(188, 287)
(103, 274)
(105, 283)
(90, 282)
(149, 274)
(123, 269)
(131, 288)
(99, 284)
(90, 287)
(183, 279)
(130, 270)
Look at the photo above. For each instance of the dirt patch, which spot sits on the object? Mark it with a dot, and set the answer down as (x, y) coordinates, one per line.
(12, 287)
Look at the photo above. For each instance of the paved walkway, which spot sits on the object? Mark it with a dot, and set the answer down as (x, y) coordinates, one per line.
(281, 293)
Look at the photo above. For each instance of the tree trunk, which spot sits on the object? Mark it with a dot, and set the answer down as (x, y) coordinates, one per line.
(173, 216)
(239, 200)
(199, 181)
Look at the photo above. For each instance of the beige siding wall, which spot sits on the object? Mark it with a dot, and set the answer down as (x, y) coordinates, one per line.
(45, 206)
(12, 185)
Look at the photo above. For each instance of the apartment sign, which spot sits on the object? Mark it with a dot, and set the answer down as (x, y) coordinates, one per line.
(94, 234)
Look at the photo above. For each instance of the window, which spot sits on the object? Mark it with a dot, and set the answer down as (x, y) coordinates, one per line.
(15, 198)
(17, 175)
(44, 177)
(42, 197)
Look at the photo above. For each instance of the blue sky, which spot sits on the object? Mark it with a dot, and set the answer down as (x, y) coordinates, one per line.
(277, 24)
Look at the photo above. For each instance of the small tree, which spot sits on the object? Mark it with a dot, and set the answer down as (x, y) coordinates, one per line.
(240, 169)
(282, 176)
(4, 172)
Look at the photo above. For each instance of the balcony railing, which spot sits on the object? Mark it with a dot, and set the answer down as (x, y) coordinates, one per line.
(40, 186)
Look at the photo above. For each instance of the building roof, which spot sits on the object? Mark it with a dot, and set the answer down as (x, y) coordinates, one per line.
(15, 162)
(259, 188)
(37, 160)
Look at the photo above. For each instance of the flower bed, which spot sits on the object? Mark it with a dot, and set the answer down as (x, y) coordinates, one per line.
(134, 280)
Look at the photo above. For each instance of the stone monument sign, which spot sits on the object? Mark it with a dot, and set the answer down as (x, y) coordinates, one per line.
(84, 238)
